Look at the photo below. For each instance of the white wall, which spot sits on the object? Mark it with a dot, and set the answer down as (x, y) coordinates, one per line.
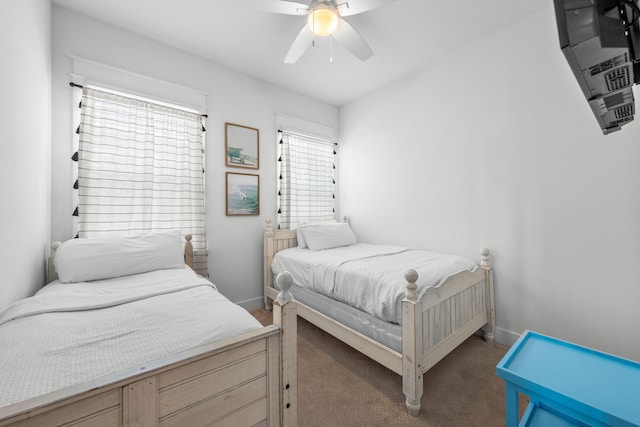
(25, 123)
(495, 146)
(235, 243)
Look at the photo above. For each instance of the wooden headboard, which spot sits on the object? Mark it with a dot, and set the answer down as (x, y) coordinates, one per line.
(51, 271)
(274, 242)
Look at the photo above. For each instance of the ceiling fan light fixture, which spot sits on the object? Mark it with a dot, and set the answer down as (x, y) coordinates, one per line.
(323, 20)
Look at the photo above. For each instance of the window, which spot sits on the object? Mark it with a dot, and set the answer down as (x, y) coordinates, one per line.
(306, 189)
(140, 169)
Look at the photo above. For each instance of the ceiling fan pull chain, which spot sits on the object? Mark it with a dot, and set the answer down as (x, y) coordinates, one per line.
(313, 30)
(330, 50)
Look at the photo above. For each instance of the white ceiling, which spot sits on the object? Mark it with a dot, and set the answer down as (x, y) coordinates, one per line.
(404, 36)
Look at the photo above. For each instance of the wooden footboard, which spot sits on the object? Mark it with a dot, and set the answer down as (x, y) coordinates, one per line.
(432, 325)
(245, 380)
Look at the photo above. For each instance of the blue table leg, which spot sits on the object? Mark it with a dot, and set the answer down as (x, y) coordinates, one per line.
(511, 410)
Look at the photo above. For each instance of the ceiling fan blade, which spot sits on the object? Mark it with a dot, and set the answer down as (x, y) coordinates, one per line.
(299, 46)
(348, 37)
(285, 7)
(353, 7)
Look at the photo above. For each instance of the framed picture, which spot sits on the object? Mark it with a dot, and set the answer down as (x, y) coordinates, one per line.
(243, 146)
(243, 194)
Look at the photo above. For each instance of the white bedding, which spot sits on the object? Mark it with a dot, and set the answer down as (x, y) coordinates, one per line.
(68, 334)
(369, 277)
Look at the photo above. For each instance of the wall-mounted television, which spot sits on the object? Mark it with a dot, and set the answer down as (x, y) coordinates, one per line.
(599, 39)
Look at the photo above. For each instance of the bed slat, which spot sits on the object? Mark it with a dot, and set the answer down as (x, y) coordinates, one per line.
(96, 409)
(248, 416)
(452, 314)
(211, 384)
(449, 343)
(109, 418)
(174, 376)
(222, 405)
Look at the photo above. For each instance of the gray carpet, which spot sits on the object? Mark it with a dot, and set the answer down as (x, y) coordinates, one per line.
(338, 386)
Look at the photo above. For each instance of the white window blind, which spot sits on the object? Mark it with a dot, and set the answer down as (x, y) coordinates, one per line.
(306, 189)
(140, 169)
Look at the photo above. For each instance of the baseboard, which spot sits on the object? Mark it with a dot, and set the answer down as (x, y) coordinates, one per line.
(505, 337)
(252, 304)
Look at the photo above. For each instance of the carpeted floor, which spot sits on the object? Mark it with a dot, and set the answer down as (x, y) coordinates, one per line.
(338, 386)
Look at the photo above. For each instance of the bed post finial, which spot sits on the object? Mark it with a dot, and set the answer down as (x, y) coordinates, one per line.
(484, 258)
(188, 250)
(284, 281)
(54, 247)
(268, 228)
(412, 277)
(51, 271)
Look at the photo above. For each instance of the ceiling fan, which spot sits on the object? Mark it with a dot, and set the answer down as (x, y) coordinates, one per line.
(325, 19)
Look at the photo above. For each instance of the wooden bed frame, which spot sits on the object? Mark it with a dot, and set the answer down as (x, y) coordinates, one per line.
(431, 327)
(250, 379)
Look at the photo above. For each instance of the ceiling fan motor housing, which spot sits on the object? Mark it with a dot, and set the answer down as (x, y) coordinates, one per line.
(323, 20)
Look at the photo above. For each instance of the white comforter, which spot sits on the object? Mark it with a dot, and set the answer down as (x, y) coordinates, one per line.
(369, 277)
(68, 334)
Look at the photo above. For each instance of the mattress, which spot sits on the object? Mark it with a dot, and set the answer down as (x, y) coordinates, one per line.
(386, 333)
(369, 277)
(68, 334)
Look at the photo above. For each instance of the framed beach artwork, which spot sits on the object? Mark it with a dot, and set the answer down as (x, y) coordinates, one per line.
(242, 144)
(243, 194)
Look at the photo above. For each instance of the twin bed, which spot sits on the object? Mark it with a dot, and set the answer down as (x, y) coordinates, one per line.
(403, 308)
(131, 336)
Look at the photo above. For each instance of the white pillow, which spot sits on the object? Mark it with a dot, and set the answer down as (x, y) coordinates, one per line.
(327, 236)
(96, 258)
(302, 242)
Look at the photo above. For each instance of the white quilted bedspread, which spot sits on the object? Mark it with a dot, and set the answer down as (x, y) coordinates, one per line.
(68, 334)
(369, 277)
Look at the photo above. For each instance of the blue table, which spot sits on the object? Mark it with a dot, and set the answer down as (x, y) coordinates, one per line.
(568, 384)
